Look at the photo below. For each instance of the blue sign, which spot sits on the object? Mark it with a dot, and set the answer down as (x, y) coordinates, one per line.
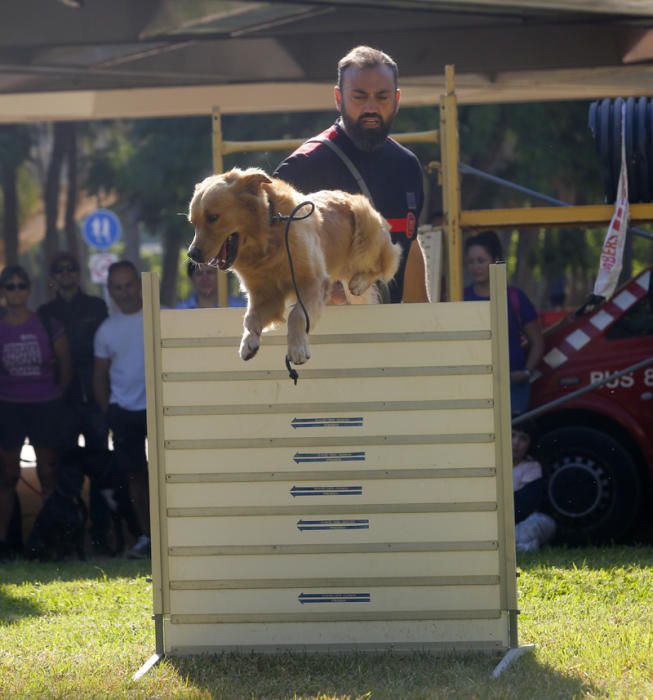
(102, 229)
(353, 524)
(304, 598)
(326, 491)
(301, 457)
(327, 422)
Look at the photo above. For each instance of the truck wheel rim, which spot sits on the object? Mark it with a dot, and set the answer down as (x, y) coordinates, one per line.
(577, 487)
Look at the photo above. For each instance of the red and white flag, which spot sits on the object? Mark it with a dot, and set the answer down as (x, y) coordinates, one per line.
(612, 253)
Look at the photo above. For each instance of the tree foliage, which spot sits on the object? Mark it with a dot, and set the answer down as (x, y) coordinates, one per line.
(548, 148)
(150, 166)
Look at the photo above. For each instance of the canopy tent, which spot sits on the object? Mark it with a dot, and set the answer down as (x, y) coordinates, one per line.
(92, 59)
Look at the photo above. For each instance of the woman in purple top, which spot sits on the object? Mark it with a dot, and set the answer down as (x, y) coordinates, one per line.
(525, 341)
(35, 367)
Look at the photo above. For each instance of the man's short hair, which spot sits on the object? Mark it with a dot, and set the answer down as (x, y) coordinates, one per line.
(366, 57)
(121, 264)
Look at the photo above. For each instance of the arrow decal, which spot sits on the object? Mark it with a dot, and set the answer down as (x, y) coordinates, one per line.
(334, 598)
(354, 524)
(347, 422)
(326, 491)
(302, 457)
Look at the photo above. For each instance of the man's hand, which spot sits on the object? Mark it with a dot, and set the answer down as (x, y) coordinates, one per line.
(101, 382)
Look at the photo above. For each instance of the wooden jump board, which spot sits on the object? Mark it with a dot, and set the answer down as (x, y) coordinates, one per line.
(368, 507)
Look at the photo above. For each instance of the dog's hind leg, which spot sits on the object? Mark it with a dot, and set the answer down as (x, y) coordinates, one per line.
(360, 283)
(376, 256)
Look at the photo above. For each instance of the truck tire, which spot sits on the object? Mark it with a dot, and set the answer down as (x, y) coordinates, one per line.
(594, 486)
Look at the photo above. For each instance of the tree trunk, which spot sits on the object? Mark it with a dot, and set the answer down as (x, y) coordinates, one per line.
(524, 277)
(10, 213)
(130, 217)
(70, 226)
(62, 132)
(171, 248)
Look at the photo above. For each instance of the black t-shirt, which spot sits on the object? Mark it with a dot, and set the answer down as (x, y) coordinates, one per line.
(80, 317)
(392, 174)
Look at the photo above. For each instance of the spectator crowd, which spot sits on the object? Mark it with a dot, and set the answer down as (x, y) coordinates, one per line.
(69, 371)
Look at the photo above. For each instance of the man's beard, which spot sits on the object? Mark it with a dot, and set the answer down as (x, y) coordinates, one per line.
(365, 138)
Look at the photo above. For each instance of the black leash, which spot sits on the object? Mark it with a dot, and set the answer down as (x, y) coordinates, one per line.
(292, 373)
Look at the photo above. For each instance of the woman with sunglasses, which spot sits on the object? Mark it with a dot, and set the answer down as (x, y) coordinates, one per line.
(35, 367)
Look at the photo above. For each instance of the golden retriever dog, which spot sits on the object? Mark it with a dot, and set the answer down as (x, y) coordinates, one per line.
(344, 239)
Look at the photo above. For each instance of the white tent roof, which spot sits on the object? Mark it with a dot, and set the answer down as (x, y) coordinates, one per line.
(88, 59)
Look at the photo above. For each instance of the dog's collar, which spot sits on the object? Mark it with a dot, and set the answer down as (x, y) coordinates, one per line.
(276, 218)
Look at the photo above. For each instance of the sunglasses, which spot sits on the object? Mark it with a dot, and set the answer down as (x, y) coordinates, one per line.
(11, 287)
(65, 268)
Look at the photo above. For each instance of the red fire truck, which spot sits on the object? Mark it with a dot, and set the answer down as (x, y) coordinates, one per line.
(597, 444)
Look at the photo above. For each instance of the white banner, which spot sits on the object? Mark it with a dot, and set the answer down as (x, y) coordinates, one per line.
(612, 253)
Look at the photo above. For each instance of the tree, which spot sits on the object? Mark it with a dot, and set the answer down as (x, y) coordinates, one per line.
(63, 150)
(15, 143)
(548, 148)
(153, 165)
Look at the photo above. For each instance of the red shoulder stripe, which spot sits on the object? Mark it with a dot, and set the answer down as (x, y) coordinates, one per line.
(309, 146)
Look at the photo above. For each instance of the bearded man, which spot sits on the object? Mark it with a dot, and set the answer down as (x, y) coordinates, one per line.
(356, 155)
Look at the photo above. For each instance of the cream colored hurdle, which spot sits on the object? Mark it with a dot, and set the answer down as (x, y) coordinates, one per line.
(368, 507)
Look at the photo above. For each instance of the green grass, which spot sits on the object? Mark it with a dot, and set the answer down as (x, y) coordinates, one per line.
(81, 630)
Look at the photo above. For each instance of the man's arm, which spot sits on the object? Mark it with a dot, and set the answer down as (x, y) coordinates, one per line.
(101, 382)
(415, 276)
(64, 363)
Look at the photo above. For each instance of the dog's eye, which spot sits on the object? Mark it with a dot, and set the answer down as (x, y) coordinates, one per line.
(212, 218)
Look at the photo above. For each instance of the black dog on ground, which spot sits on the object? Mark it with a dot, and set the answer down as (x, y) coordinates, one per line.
(99, 465)
(59, 528)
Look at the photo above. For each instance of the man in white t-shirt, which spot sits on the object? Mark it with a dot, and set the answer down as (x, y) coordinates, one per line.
(119, 389)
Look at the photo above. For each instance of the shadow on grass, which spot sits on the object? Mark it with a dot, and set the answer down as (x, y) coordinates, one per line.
(15, 608)
(378, 676)
(606, 557)
(21, 571)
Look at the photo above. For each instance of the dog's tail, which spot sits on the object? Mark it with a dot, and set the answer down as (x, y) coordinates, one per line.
(372, 238)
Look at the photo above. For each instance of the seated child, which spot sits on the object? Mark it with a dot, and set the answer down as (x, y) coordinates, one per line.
(532, 527)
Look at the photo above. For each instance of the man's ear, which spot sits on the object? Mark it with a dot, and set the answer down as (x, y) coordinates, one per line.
(398, 96)
(251, 180)
(337, 94)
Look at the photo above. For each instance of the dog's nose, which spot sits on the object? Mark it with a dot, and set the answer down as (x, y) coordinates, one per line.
(195, 254)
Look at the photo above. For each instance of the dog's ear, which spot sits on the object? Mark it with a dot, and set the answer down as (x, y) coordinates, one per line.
(251, 180)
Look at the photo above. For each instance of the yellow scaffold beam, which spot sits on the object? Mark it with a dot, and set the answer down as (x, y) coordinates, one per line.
(550, 216)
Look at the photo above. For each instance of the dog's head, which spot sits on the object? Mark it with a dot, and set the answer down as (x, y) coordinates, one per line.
(225, 210)
(96, 463)
(70, 481)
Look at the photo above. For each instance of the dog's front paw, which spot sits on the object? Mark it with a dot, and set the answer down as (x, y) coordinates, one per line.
(299, 354)
(249, 346)
(358, 284)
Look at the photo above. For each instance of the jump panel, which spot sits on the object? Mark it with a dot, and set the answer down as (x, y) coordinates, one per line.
(369, 506)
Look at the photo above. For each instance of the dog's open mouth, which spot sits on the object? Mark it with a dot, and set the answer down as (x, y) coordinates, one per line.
(227, 254)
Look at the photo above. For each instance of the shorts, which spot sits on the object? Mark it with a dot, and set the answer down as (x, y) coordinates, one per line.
(129, 430)
(84, 419)
(40, 421)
